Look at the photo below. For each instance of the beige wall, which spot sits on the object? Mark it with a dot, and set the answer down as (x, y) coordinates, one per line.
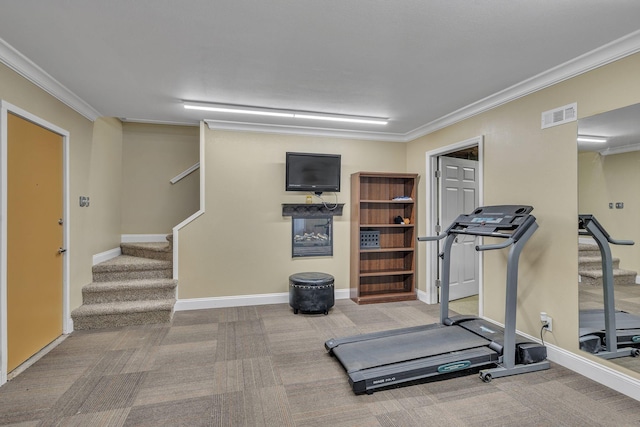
(604, 179)
(153, 155)
(105, 183)
(526, 165)
(241, 245)
(96, 228)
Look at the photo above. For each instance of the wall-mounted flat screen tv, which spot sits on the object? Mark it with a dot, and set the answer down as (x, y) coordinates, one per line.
(313, 172)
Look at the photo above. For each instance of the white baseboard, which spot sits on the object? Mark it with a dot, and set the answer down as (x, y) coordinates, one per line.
(242, 300)
(106, 255)
(146, 238)
(422, 296)
(593, 370)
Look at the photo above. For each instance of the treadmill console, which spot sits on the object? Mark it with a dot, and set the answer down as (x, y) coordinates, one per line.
(497, 221)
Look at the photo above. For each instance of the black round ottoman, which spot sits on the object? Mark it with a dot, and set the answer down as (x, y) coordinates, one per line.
(311, 292)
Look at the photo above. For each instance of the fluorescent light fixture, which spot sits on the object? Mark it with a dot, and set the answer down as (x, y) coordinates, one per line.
(240, 109)
(237, 110)
(585, 138)
(370, 121)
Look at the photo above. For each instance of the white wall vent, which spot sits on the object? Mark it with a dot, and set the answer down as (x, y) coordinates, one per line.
(558, 116)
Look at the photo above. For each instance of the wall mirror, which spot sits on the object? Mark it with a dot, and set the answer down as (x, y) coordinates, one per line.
(609, 200)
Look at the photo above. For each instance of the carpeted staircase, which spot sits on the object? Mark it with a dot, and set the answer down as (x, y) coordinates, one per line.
(590, 267)
(134, 288)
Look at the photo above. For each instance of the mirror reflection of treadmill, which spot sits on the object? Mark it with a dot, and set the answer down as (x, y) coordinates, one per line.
(456, 345)
(607, 332)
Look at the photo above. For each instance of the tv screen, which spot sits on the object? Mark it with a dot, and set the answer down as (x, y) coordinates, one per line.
(313, 172)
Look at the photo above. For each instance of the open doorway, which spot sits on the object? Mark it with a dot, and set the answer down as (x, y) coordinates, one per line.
(455, 187)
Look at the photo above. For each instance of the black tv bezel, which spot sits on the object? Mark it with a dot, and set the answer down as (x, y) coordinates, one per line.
(313, 189)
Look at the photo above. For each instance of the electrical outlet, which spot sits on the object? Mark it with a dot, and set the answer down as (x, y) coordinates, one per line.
(547, 321)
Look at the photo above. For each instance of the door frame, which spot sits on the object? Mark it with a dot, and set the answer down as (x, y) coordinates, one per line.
(5, 109)
(432, 213)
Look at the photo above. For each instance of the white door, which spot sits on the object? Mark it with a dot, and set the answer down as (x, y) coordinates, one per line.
(458, 195)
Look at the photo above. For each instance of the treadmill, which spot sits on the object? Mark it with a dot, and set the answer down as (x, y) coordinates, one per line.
(457, 345)
(607, 333)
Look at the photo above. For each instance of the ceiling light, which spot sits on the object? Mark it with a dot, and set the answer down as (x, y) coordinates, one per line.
(585, 138)
(367, 120)
(239, 109)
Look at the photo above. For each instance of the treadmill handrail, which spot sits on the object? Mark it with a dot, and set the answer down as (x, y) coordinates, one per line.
(582, 218)
(490, 247)
(621, 242)
(432, 238)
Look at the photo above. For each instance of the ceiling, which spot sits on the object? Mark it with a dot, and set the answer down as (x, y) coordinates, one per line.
(620, 127)
(413, 61)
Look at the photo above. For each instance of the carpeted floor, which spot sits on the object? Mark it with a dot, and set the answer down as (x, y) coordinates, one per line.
(265, 366)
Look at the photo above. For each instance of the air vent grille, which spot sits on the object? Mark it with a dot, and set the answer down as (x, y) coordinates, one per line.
(558, 116)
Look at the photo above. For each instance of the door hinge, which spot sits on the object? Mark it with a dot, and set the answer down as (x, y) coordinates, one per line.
(437, 174)
(438, 228)
(438, 283)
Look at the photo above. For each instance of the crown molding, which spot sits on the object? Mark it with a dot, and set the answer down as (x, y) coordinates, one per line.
(620, 150)
(303, 130)
(36, 75)
(610, 52)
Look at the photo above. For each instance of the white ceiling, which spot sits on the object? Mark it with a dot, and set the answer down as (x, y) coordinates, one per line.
(413, 61)
(621, 128)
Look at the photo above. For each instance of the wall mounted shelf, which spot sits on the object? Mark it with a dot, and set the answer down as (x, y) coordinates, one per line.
(312, 209)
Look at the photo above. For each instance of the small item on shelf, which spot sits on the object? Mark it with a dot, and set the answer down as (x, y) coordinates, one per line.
(406, 221)
(369, 240)
(309, 199)
(398, 220)
(402, 198)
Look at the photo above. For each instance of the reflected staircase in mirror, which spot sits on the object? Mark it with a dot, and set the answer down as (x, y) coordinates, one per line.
(590, 267)
(134, 288)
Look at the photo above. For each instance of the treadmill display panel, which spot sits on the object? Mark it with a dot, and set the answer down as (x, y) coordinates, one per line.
(487, 220)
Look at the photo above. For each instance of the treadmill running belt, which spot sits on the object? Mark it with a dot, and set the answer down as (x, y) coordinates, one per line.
(593, 321)
(361, 355)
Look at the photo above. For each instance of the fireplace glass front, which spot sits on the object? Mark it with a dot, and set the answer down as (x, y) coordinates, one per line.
(312, 236)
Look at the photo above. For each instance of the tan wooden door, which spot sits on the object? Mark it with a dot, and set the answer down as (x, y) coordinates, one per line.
(34, 235)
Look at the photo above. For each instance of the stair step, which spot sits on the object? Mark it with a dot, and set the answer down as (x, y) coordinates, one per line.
(161, 250)
(594, 263)
(620, 277)
(126, 267)
(588, 250)
(130, 290)
(124, 313)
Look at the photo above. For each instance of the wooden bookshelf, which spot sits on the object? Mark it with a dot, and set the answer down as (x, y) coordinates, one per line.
(384, 271)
